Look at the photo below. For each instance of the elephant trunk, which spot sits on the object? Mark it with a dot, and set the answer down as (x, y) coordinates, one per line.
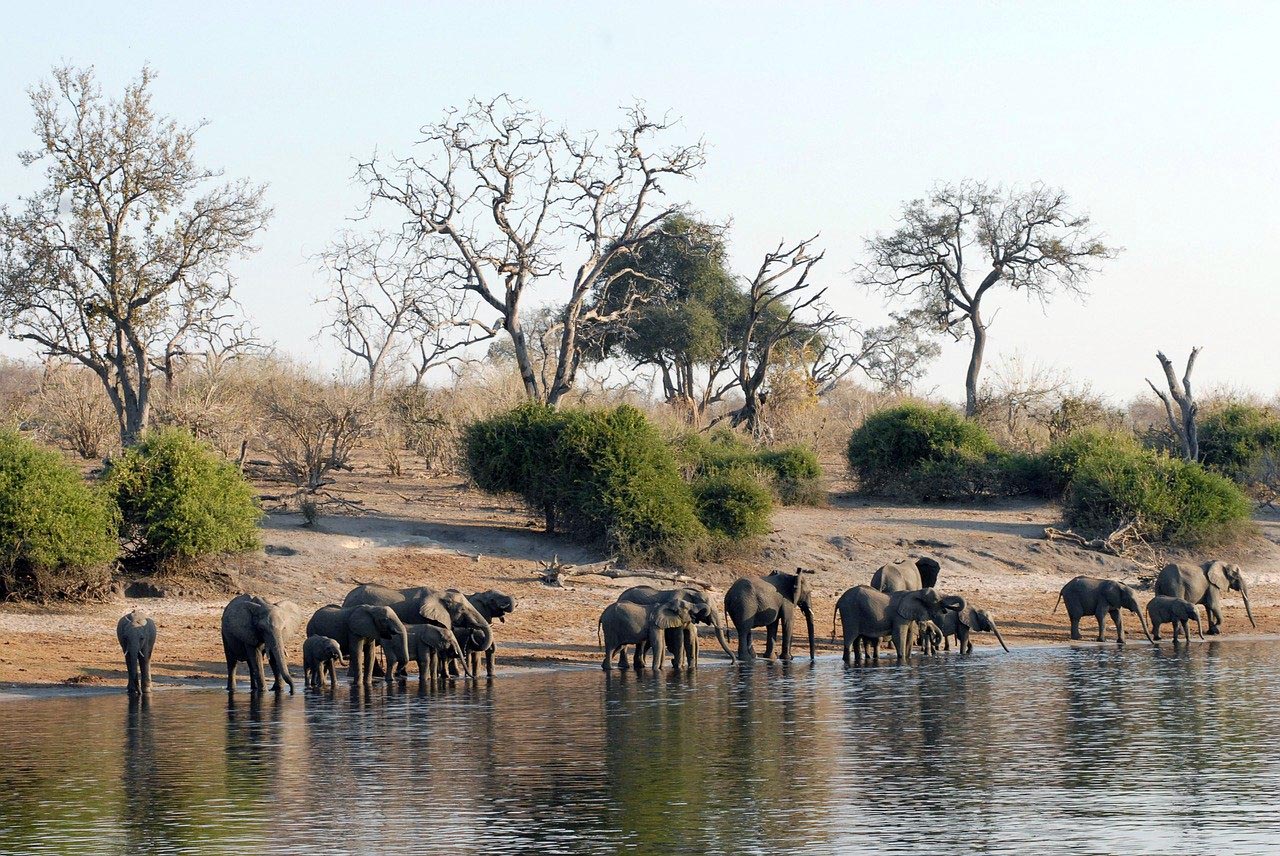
(1244, 593)
(486, 636)
(1143, 621)
(808, 620)
(1199, 627)
(999, 638)
(720, 637)
(279, 665)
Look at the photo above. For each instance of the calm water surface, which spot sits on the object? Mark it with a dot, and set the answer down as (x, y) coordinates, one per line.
(1088, 750)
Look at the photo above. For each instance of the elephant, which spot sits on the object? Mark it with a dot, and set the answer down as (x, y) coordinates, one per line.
(136, 632)
(430, 647)
(906, 575)
(1100, 598)
(868, 615)
(445, 608)
(633, 624)
(766, 602)
(251, 626)
(319, 654)
(930, 636)
(359, 631)
(1205, 585)
(962, 621)
(681, 642)
(490, 604)
(1163, 609)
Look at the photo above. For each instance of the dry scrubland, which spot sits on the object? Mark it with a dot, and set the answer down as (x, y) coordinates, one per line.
(419, 527)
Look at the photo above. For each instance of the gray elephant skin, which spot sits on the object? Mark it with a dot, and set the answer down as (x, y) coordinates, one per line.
(360, 631)
(681, 642)
(1098, 597)
(623, 624)
(768, 602)
(1163, 609)
(320, 655)
(432, 648)
(253, 626)
(867, 615)
(1205, 585)
(906, 575)
(136, 633)
(492, 605)
(965, 620)
(445, 608)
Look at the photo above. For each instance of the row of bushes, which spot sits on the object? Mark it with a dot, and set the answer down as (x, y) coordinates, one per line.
(1103, 478)
(607, 476)
(162, 503)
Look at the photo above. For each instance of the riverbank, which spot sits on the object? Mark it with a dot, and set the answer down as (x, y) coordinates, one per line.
(417, 530)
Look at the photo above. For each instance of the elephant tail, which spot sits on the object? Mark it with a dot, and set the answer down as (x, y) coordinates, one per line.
(1056, 602)
(599, 641)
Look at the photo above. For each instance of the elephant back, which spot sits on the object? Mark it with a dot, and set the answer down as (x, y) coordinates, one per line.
(331, 621)
(645, 595)
(1181, 581)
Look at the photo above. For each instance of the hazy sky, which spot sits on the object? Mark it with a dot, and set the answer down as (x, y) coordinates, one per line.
(1161, 119)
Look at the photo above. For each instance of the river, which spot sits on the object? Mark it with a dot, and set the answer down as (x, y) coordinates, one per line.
(1081, 749)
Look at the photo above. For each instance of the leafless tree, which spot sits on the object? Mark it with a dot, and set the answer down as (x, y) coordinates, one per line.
(894, 356)
(499, 201)
(1182, 424)
(120, 261)
(965, 239)
(386, 308)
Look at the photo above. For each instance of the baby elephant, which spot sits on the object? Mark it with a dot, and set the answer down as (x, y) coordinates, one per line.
(137, 635)
(1176, 611)
(319, 655)
(431, 647)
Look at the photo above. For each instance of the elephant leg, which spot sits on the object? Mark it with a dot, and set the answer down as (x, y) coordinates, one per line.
(770, 638)
(637, 658)
(1075, 626)
(875, 649)
(607, 665)
(357, 661)
(1214, 612)
(744, 643)
(488, 661)
(232, 665)
(677, 649)
(131, 666)
(1102, 625)
(257, 681)
(787, 620)
(1118, 621)
(902, 641)
(847, 647)
(691, 647)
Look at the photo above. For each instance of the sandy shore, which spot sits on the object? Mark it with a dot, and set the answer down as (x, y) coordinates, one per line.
(418, 530)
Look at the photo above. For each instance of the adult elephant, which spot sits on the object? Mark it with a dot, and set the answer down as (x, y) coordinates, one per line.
(422, 605)
(1205, 585)
(768, 601)
(251, 626)
(964, 620)
(906, 575)
(1100, 598)
(360, 631)
(490, 604)
(623, 624)
(682, 642)
(868, 615)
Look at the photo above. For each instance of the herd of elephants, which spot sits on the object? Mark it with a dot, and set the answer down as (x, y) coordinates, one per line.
(444, 630)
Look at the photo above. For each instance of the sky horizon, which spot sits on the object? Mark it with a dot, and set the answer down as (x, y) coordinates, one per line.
(1161, 121)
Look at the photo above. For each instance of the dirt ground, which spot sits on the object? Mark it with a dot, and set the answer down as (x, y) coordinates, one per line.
(417, 530)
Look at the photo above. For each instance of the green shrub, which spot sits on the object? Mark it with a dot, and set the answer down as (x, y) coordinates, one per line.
(601, 476)
(180, 500)
(794, 472)
(1058, 464)
(57, 533)
(923, 453)
(1170, 499)
(1234, 440)
(733, 503)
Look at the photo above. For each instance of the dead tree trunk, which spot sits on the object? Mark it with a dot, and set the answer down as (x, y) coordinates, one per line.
(1183, 424)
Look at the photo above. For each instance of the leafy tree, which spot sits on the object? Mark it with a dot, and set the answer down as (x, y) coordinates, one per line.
(121, 261)
(954, 247)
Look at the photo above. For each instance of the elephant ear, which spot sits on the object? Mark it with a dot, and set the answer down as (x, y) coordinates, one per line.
(1215, 573)
(668, 616)
(434, 612)
(911, 607)
(259, 613)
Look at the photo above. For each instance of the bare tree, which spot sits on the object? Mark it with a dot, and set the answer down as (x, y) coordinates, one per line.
(386, 308)
(965, 239)
(114, 264)
(1183, 424)
(500, 201)
(894, 356)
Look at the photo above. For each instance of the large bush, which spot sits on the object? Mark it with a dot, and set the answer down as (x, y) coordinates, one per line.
(925, 453)
(1235, 439)
(733, 504)
(599, 475)
(1169, 499)
(57, 533)
(180, 500)
(793, 471)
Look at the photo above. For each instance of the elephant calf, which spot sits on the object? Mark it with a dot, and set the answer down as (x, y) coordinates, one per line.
(1173, 610)
(136, 633)
(963, 621)
(431, 648)
(319, 654)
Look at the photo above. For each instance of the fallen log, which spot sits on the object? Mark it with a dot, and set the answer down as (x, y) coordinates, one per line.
(1126, 542)
(556, 573)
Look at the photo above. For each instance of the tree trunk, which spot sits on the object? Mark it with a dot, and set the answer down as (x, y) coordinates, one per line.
(975, 364)
(521, 347)
(1183, 425)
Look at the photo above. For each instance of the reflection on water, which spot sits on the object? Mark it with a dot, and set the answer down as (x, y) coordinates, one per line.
(1092, 749)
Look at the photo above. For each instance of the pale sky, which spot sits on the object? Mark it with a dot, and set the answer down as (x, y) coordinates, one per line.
(1160, 119)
